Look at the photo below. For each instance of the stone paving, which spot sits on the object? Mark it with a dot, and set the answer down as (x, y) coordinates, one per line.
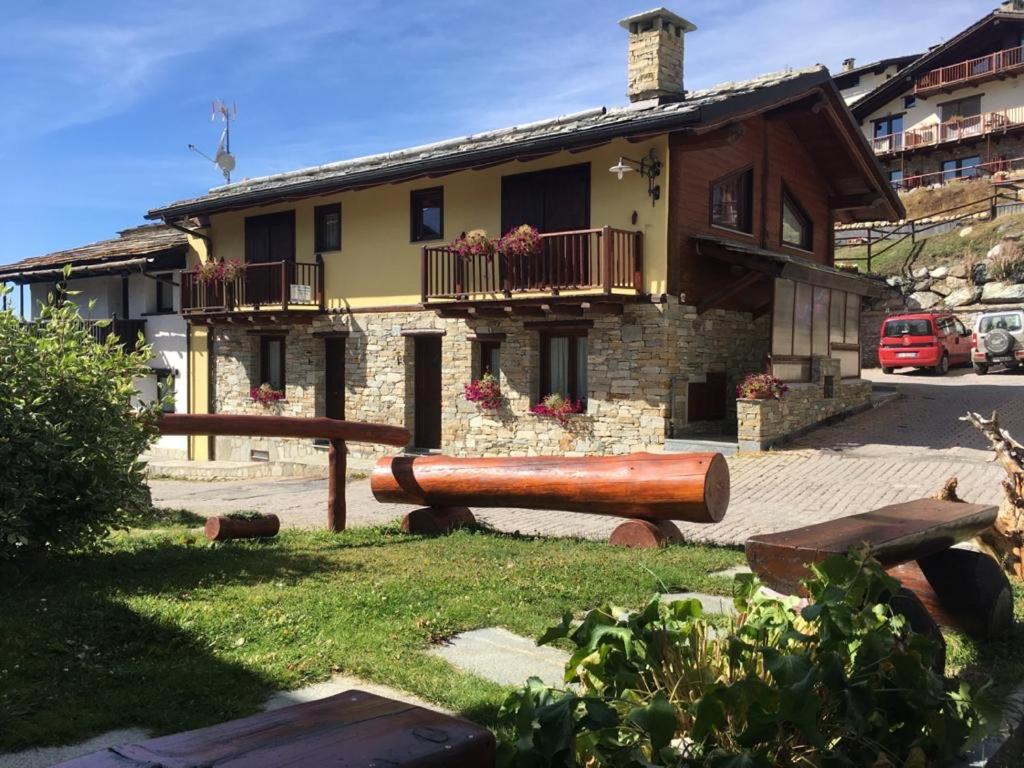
(903, 450)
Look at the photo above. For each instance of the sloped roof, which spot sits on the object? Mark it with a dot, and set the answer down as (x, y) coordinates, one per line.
(881, 65)
(136, 244)
(698, 109)
(903, 79)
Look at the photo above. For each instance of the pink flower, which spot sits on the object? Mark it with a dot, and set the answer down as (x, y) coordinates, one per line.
(485, 392)
(557, 407)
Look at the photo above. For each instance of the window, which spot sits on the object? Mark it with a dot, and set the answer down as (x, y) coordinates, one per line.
(796, 226)
(889, 125)
(327, 221)
(563, 364)
(909, 102)
(164, 294)
(960, 109)
(732, 201)
(896, 179)
(165, 388)
(813, 321)
(961, 168)
(489, 358)
(270, 237)
(272, 361)
(427, 214)
(1008, 322)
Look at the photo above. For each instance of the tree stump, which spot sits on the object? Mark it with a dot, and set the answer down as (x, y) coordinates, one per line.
(225, 527)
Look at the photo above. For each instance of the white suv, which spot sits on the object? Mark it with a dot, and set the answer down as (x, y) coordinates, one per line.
(998, 338)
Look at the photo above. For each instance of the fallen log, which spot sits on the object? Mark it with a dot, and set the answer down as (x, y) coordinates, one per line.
(651, 487)
(225, 527)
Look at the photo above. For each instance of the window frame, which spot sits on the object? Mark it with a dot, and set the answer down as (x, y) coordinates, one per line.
(319, 213)
(745, 218)
(888, 121)
(162, 376)
(572, 374)
(264, 358)
(808, 237)
(164, 283)
(416, 196)
(485, 348)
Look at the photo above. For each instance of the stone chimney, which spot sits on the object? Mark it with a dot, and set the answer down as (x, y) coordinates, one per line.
(655, 61)
(848, 64)
(1012, 5)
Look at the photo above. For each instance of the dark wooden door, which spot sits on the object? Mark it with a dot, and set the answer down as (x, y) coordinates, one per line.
(556, 200)
(268, 239)
(706, 400)
(427, 392)
(334, 372)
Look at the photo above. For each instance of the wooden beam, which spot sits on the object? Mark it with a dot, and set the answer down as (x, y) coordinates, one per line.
(846, 202)
(728, 291)
(498, 312)
(720, 137)
(602, 308)
(574, 310)
(814, 104)
(527, 310)
(461, 313)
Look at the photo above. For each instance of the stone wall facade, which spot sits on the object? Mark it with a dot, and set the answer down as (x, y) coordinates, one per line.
(763, 423)
(639, 366)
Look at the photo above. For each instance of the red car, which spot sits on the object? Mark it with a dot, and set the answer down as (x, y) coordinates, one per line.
(934, 340)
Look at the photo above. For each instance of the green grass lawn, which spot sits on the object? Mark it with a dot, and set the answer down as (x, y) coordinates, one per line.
(164, 631)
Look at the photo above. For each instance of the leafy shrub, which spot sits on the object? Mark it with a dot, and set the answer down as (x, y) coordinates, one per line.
(70, 436)
(558, 407)
(1008, 264)
(842, 682)
(762, 386)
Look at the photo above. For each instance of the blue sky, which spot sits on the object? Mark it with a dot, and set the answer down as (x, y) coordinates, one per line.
(101, 98)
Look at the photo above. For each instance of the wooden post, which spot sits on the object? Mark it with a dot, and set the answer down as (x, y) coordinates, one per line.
(424, 280)
(336, 486)
(284, 284)
(321, 281)
(869, 249)
(638, 262)
(606, 257)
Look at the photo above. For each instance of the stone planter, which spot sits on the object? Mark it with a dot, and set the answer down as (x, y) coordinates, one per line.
(224, 528)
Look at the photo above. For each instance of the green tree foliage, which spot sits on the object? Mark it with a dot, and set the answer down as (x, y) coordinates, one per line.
(840, 682)
(70, 432)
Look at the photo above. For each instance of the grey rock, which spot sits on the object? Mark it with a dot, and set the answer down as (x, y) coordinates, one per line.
(941, 287)
(920, 272)
(923, 285)
(923, 299)
(1000, 293)
(939, 272)
(979, 275)
(503, 657)
(963, 296)
(955, 282)
(958, 270)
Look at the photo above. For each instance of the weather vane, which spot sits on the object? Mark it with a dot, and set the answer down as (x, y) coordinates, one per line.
(222, 158)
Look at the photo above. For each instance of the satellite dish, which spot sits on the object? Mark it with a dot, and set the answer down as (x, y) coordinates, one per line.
(226, 162)
(222, 158)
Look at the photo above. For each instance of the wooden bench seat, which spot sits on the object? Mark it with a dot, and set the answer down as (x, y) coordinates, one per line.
(353, 729)
(943, 586)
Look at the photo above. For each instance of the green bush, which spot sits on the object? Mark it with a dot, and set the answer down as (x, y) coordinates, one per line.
(70, 436)
(842, 682)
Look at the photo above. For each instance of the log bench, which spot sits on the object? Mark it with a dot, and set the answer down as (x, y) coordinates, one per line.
(650, 490)
(941, 586)
(353, 729)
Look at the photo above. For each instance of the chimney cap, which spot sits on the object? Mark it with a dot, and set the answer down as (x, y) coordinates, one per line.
(658, 13)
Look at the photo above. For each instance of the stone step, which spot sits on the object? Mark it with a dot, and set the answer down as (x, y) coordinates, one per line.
(700, 445)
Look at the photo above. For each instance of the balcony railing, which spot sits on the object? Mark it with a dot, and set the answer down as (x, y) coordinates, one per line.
(275, 285)
(983, 67)
(603, 259)
(952, 130)
(127, 331)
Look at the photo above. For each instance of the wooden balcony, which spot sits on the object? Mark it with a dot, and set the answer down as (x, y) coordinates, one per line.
(605, 260)
(990, 67)
(277, 286)
(960, 129)
(127, 331)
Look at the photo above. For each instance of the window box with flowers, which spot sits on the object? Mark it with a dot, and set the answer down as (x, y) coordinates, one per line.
(266, 395)
(518, 243)
(218, 271)
(558, 407)
(485, 392)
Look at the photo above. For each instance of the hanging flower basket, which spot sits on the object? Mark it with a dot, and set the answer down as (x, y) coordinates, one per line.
(221, 271)
(485, 392)
(558, 407)
(475, 244)
(266, 395)
(523, 241)
(761, 386)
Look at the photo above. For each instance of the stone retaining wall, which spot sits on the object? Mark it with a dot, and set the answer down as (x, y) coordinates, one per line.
(639, 366)
(763, 423)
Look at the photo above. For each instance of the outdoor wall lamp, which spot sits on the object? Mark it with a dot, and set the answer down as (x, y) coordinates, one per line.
(648, 166)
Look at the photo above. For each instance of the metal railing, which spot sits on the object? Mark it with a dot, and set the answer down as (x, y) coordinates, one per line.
(274, 284)
(880, 240)
(604, 259)
(981, 67)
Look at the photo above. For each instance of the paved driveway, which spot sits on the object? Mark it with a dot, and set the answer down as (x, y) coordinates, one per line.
(900, 451)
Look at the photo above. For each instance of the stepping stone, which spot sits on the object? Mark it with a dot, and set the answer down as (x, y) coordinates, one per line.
(730, 573)
(710, 603)
(504, 657)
